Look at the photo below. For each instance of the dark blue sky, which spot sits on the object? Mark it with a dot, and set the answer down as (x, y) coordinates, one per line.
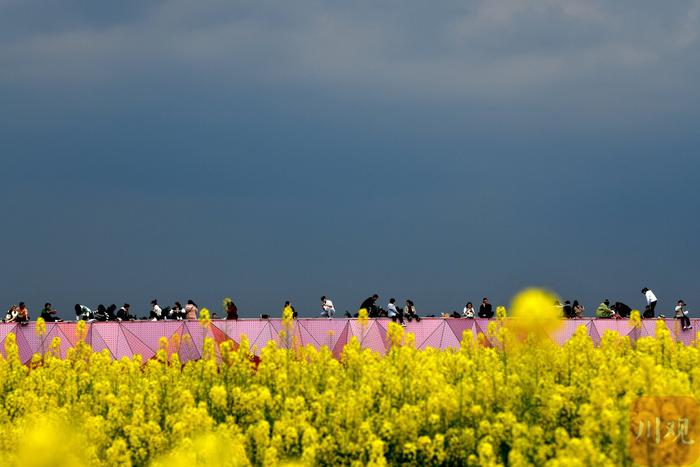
(284, 150)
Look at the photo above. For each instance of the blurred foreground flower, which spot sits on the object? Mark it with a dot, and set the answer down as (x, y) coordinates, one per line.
(47, 441)
(40, 328)
(535, 313)
(363, 317)
(204, 317)
(635, 319)
(500, 312)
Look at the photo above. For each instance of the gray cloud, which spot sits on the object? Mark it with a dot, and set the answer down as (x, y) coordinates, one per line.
(437, 150)
(449, 50)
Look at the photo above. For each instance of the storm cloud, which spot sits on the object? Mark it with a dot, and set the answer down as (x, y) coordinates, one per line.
(284, 150)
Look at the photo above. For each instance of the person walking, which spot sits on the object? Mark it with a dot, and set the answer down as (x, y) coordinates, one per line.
(327, 308)
(651, 302)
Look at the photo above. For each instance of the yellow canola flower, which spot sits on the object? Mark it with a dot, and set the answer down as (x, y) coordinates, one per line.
(635, 320)
(221, 448)
(217, 394)
(48, 441)
(363, 316)
(204, 317)
(81, 330)
(500, 312)
(40, 328)
(487, 403)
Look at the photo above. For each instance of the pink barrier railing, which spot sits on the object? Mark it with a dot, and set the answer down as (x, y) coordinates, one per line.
(142, 337)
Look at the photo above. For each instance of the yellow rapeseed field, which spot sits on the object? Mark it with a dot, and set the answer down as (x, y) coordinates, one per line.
(502, 399)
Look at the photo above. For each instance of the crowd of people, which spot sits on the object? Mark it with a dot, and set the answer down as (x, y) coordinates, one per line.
(20, 314)
(618, 310)
(156, 312)
(399, 314)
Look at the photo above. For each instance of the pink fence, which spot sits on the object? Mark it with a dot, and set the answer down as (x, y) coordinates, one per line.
(141, 337)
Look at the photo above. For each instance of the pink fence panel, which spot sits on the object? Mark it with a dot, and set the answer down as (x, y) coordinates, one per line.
(424, 331)
(103, 335)
(452, 337)
(369, 334)
(567, 330)
(622, 327)
(323, 332)
(250, 329)
(687, 337)
(267, 334)
(27, 341)
(127, 339)
(648, 328)
(481, 326)
(54, 330)
(342, 340)
(135, 332)
(428, 333)
(5, 329)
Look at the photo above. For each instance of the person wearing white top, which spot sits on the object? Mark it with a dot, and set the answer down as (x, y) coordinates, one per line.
(156, 311)
(391, 310)
(328, 310)
(468, 311)
(394, 313)
(651, 302)
(11, 314)
(682, 314)
(84, 313)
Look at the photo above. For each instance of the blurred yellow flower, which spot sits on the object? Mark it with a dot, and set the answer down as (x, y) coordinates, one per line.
(500, 312)
(287, 313)
(81, 330)
(534, 312)
(362, 317)
(217, 394)
(40, 328)
(204, 317)
(635, 320)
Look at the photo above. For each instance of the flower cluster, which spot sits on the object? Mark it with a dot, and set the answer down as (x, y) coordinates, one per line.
(501, 399)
